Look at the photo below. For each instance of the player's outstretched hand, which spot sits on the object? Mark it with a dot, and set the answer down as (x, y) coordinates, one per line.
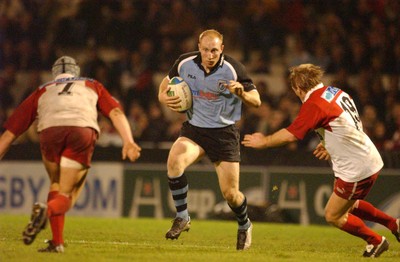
(132, 151)
(256, 140)
(321, 153)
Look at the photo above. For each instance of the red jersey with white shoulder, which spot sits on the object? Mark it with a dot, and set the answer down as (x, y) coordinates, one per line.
(333, 115)
(65, 101)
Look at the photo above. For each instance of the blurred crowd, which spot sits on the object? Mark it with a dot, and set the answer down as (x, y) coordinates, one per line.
(126, 44)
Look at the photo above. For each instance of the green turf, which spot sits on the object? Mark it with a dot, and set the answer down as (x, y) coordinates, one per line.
(100, 239)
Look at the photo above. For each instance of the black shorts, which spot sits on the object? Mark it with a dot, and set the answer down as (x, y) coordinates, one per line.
(220, 144)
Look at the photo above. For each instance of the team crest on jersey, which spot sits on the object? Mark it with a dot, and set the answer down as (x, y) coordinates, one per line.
(222, 85)
(330, 93)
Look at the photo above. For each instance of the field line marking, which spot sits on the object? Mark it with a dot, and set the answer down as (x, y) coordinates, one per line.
(124, 243)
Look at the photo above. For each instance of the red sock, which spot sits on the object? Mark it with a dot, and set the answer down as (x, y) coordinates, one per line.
(367, 211)
(56, 203)
(51, 195)
(356, 227)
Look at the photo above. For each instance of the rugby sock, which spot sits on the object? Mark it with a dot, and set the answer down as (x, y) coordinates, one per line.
(356, 227)
(179, 188)
(367, 211)
(56, 222)
(59, 205)
(241, 215)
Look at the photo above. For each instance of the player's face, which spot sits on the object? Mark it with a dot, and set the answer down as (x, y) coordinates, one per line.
(211, 49)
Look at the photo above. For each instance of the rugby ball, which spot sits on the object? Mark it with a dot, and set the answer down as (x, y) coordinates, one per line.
(178, 87)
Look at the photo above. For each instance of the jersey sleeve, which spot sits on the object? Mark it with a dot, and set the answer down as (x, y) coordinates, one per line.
(106, 102)
(24, 115)
(309, 118)
(174, 70)
(242, 76)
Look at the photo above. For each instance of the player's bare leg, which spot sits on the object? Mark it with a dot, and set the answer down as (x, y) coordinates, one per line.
(228, 177)
(183, 153)
(337, 214)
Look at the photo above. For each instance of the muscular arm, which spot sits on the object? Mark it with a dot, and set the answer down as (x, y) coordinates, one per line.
(251, 98)
(6, 140)
(130, 149)
(259, 141)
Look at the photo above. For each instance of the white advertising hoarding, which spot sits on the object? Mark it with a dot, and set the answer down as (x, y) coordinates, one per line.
(22, 183)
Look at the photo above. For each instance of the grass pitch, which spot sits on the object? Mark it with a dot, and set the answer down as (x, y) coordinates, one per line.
(125, 239)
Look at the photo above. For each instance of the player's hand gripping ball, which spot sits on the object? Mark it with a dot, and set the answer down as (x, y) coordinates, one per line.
(178, 87)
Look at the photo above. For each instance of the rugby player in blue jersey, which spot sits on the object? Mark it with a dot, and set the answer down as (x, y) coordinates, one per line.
(219, 86)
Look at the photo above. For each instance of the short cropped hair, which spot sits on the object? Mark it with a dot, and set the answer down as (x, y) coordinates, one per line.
(305, 76)
(211, 32)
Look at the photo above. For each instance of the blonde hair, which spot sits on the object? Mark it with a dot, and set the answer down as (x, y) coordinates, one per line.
(211, 32)
(305, 76)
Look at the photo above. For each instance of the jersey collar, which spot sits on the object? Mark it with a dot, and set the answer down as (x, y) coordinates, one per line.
(218, 64)
(60, 76)
(320, 85)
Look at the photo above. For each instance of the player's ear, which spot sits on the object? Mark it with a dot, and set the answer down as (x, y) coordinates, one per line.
(222, 48)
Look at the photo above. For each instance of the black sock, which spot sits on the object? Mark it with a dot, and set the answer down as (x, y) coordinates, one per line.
(241, 215)
(179, 188)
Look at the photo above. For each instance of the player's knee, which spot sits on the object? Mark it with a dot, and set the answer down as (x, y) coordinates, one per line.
(174, 168)
(230, 195)
(331, 219)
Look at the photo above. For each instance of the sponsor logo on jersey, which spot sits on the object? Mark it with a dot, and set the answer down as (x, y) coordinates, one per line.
(330, 93)
(222, 85)
(204, 95)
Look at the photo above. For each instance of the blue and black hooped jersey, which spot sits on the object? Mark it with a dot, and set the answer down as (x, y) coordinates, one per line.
(213, 105)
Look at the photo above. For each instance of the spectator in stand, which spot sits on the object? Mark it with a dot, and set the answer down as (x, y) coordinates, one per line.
(93, 60)
(147, 52)
(393, 128)
(179, 21)
(263, 38)
(379, 136)
(153, 19)
(320, 55)
(369, 118)
(338, 59)
(360, 58)
(137, 118)
(125, 24)
(8, 85)
(166, 54)
(300, 53)
(137, 81)
(8, 53)
(46, 55)
(156, 128)
(27, 55)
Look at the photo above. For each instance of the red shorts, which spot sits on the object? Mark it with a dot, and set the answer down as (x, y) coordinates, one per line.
(355, 190)
(76, 143)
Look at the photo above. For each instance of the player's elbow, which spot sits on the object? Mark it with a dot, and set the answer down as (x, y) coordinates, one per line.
(115, 112)
(291, 139)
(255, 103)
